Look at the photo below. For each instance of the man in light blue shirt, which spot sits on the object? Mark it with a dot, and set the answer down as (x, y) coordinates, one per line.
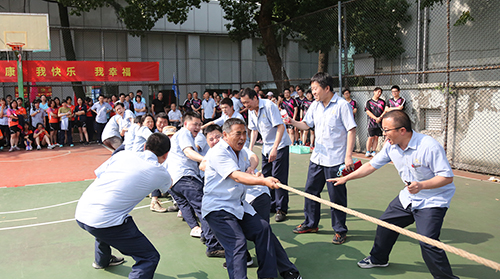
(187, 184)
(231, 218)
(103, 210)
(236, 101)
(335, 130)
(264, 118)
(207, 108)
(101, 109)
(424, 169)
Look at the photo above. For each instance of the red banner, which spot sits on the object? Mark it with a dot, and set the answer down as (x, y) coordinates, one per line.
(67, 71)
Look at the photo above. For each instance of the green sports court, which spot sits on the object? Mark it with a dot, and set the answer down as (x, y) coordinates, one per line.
(40, 239)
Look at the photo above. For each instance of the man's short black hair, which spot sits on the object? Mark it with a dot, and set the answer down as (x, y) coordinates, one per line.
(190, 115)
(401, 119)
(211, 128)
(378, 88)
(228, 125)
(139, 91)
(119, 104)
(323, 79)
(257, 85)
(161, 115)
(227, 101)
(122, 94)
(250, 93)
(346, 89)
(300, 88)
(395, 87)
(158, 143)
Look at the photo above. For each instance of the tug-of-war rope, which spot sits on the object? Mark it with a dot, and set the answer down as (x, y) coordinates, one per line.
(419, 237)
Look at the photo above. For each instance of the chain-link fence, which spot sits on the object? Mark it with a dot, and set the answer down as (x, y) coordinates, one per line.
(445, 57)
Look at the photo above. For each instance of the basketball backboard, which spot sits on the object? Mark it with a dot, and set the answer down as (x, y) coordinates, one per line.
(30, 29)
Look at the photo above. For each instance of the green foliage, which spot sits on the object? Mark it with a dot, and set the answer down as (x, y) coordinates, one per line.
(374, 26)
(138, 15)
(462, 20)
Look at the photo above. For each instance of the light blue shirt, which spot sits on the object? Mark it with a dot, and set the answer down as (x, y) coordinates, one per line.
(174, 115)
(220, 121)
(201, 141)
(208, 108)
(179, 164)
(112, 128)
(266, 122)
(134, 101)
(331, 125)
(423, 159)
(38, 118)
(130, 136)
(254, 191)
(237, 105)
(141, 136)
(122, 182)
(137, 106)
(220, 191)
(102, 111)
(127, 119)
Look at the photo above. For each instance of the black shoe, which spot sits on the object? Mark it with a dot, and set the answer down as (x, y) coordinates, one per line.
(304, 229)
(203, 239)
(112, 262)
(216, 254)
(280, 216)
(249, 261)
(339, 238)
(291, 275)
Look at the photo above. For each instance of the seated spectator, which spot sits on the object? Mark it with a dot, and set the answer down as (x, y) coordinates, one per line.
(41, 137)
(28, 136)
(174, 116)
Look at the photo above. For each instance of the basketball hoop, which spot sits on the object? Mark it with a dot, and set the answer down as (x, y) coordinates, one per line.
(16, 46)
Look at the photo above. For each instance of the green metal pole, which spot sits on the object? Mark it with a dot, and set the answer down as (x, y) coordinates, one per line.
(20, 86)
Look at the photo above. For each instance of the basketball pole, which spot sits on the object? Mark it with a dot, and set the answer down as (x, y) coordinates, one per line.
(20, 86)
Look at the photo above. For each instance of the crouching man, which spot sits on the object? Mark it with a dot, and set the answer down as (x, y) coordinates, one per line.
(122, 182)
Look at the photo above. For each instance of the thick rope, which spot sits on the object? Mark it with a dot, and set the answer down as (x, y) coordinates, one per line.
(419, 237)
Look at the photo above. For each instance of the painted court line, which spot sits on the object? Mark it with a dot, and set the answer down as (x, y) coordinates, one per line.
(37, 159)
(17, 220)
(60, 221)
(39, 208)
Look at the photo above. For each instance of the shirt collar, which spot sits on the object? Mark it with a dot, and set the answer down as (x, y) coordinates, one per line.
(412, 144)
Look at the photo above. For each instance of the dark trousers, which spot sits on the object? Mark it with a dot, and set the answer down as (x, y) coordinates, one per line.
(6, 133)
(190, 189)
(127, 239)
(262, 204)
(99, 127)
(187, 211)
(233, 234)
(428, 222)
(278, 169)
(316, 178)
(90, 127)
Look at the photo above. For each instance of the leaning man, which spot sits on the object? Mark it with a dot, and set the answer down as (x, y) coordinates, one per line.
(422, 165)
(122, 182)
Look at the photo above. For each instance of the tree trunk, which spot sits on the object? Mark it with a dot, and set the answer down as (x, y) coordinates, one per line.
(323, 61)
(271, 47)
(69, 49)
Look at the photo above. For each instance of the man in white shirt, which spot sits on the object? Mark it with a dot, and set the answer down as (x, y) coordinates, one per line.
(207, 108)
(122, 182)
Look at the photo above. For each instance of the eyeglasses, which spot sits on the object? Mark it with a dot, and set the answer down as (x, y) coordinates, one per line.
(388, 130)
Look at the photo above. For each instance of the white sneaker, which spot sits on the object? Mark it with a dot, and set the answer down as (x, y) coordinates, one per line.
(373, 153)
(38, 147)
(51, 146)
(368, 154)
(195, 232)
(179, 214)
